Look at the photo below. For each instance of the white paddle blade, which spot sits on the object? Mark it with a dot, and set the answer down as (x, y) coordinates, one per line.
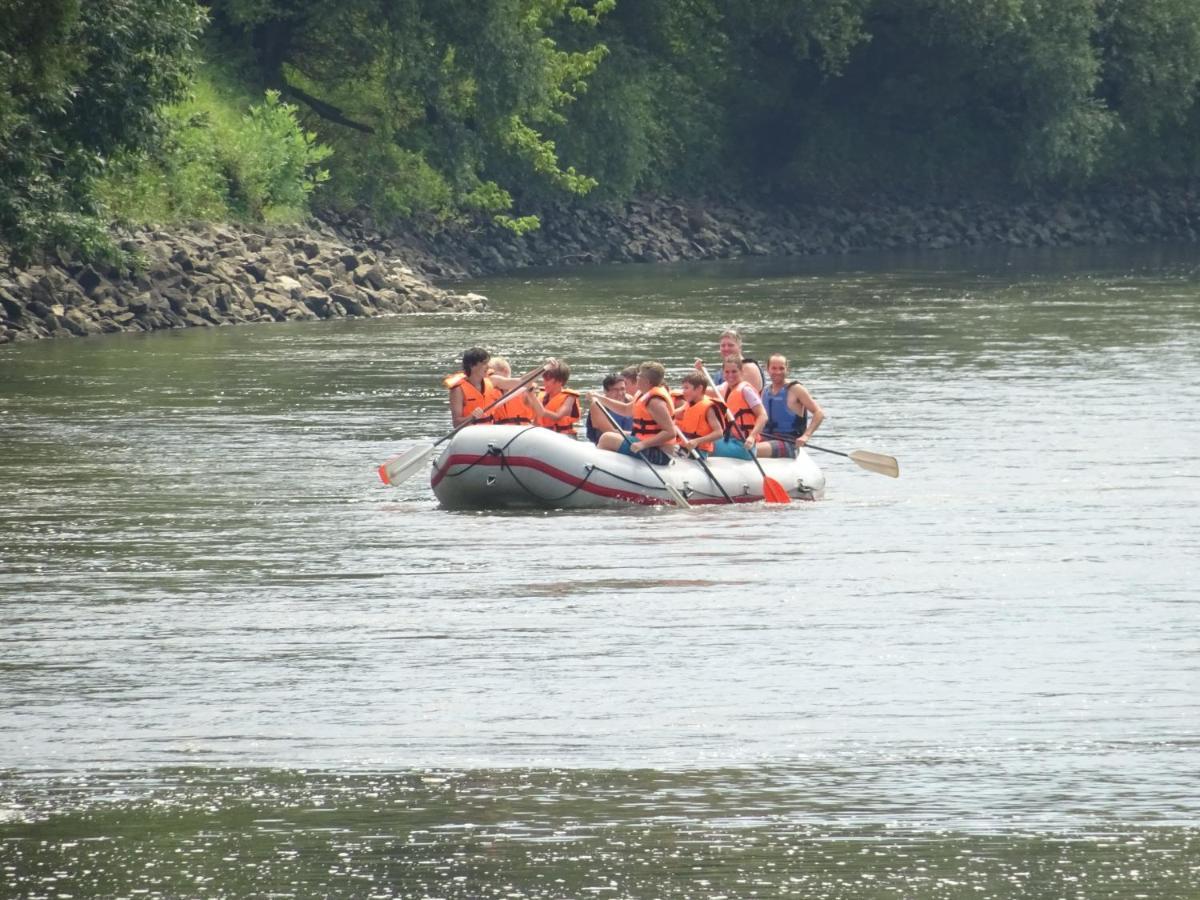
(677, 498)
(400, 468)
(876, 462)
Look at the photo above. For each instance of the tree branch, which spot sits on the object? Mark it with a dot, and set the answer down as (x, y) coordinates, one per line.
(325, 110)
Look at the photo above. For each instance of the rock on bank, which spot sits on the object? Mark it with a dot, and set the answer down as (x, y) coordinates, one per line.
(216, 275)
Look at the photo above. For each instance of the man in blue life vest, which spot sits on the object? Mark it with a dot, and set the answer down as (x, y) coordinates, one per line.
(792, 413)
(597, 423)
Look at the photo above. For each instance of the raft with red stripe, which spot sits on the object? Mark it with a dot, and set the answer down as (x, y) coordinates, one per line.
(515, 466)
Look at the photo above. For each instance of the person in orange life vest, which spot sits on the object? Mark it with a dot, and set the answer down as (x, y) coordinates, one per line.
(702, 420)
(731, 345)
(793, 416)
(597, 422)
(472, 390)
(653, 418)
(745, 409)
(556, 407)
(518, 410)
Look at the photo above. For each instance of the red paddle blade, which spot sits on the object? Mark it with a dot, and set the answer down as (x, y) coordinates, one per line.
(383, 475)
(773, 491)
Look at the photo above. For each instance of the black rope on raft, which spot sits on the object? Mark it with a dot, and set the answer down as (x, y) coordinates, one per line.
(591, 470)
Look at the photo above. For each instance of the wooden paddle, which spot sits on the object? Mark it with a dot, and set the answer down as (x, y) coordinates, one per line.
(399, 468)
(872, 462)
(677, 498)
(773, 491)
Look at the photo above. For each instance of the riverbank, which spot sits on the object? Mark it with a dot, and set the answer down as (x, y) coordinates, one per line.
(351, 266)
(664, 230)
(206, 275)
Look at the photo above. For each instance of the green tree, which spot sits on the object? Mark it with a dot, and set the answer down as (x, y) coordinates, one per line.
(80, 82)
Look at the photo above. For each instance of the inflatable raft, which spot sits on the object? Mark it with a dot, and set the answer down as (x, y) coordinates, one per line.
(502, 466)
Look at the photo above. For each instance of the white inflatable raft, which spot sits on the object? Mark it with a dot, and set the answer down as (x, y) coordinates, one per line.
(502, 466)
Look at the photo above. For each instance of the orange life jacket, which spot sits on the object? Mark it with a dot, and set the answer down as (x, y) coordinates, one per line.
(694, 422)
(516, 411)
(556, 404)
(743, 415)
(644, 425)
(474, 399)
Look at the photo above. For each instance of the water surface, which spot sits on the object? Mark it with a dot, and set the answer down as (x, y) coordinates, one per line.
(234, 663)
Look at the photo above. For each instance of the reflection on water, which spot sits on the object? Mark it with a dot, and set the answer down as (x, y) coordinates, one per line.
(558, 833)
(978, 680)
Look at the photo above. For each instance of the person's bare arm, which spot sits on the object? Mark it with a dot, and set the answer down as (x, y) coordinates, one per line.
(799, 401)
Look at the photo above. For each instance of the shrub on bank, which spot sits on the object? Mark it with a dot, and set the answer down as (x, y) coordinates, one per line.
(221, 157)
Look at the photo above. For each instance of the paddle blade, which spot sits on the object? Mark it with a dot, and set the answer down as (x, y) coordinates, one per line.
(400, 468)
(677, 498)
(876, 462)
(773, 491)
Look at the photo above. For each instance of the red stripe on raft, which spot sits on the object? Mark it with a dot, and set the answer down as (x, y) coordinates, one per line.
(532, 462)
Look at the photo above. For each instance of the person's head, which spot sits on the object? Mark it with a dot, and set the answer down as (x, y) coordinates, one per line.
(777, 368)
(652, 373)
(731, 368)
(693, 386)
(731, 343)
(614, 386)
(473, 358)
(500, 366)
(556, 376)
(630, 374)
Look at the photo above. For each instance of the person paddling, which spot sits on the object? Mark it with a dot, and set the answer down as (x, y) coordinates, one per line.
(793, 416)
(516, 411)
(702, 420)
(472, 390)
(555, 406)
(597, 422)
(745, 409)
(653, 428)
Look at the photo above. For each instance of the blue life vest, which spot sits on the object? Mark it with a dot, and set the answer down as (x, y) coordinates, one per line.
(626, 423)
(780, 419)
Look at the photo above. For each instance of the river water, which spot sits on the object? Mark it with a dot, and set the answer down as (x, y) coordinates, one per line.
(234, 664)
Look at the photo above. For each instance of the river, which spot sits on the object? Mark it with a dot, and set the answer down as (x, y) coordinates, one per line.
(235, 664)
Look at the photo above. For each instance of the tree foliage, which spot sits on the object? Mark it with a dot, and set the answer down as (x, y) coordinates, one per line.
(80, 82)
(497, 107)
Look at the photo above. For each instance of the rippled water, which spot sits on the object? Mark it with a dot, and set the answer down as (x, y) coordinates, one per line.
(233, 663)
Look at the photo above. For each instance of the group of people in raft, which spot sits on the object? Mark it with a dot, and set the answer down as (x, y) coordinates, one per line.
(742, 412)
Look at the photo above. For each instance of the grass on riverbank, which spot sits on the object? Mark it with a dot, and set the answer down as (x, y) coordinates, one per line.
(224, 155)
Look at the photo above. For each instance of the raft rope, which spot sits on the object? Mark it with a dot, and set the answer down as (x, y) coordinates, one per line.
(590, 469)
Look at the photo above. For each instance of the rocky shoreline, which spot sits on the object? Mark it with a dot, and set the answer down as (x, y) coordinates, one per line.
(204, 276)
(348, 266)
(663, 230)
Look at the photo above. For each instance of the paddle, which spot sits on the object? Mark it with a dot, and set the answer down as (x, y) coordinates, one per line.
(773, 491)
(677, 498)
(872, 462)
(399, 468)
(695, 454)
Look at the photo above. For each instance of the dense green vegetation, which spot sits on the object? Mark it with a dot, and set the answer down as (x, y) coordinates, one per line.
(457, 107)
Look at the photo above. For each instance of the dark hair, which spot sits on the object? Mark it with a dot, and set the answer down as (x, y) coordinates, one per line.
(559, 371)
(612, 380)
(695, 379)
(474, 357)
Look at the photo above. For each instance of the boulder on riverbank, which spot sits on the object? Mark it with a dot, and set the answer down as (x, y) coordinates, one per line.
(204, 276)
